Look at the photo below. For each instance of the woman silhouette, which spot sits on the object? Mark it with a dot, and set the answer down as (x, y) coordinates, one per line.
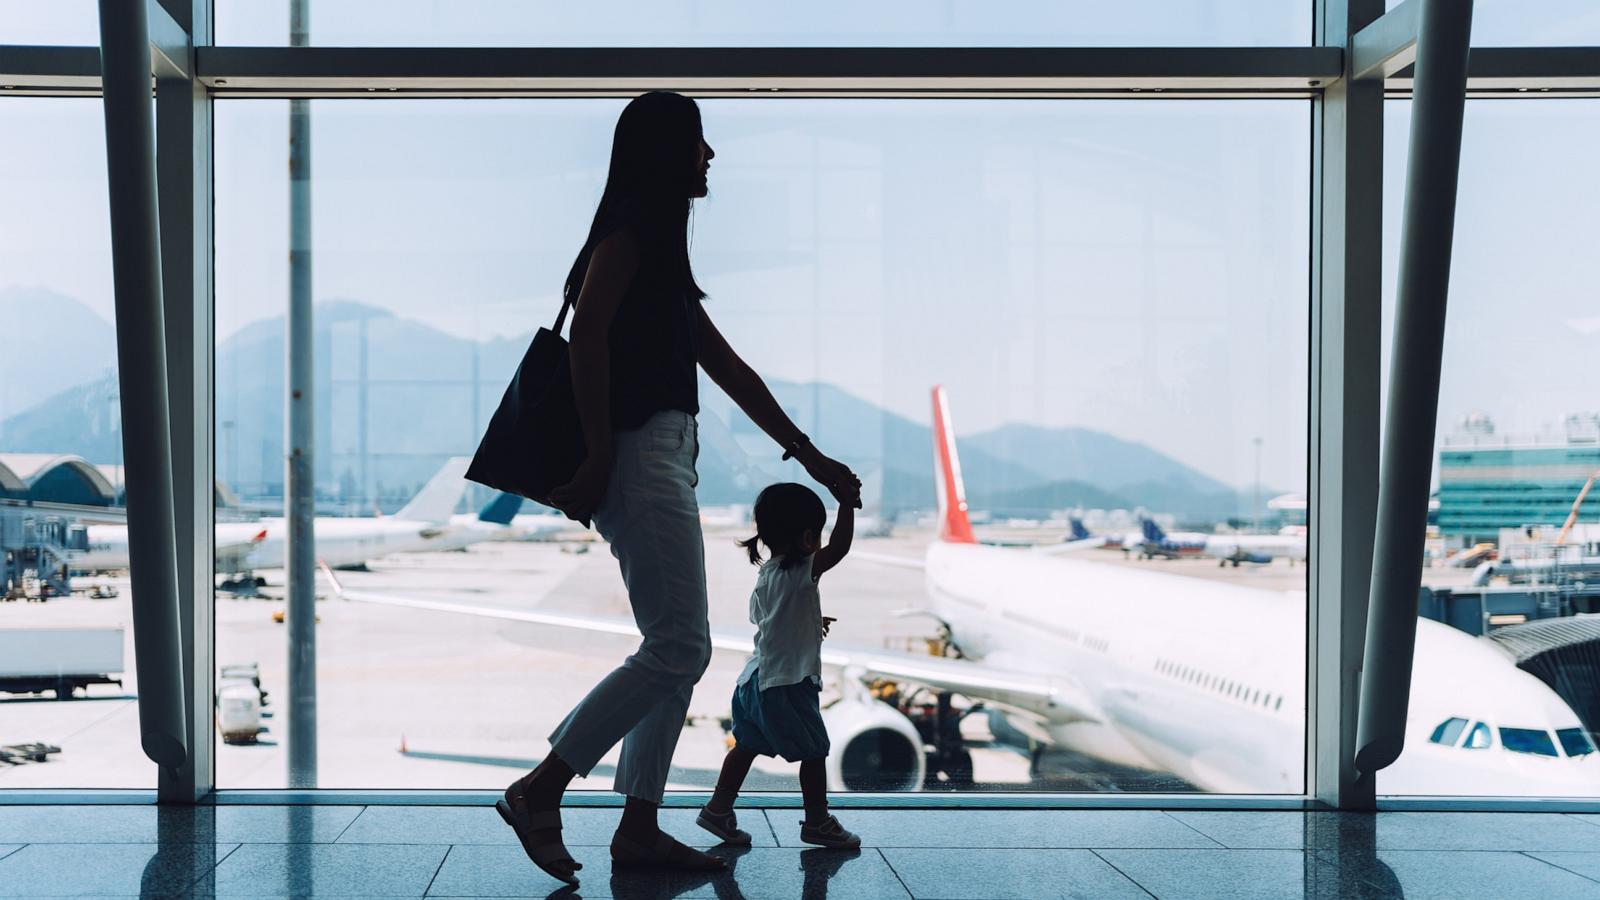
(638, 331)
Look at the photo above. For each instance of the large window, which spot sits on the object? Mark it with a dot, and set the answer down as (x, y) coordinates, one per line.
(1518, 436)
(1548, 23)
(66, 629)
(830, 23)
(57, 22)
(1112, 293)
(1116, 296)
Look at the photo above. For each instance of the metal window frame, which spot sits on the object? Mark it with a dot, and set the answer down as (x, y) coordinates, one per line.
(1345, 288)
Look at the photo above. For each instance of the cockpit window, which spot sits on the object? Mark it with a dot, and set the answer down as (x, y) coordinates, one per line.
(1448, 732)
(1528, 740)
(1575, 741)
(1478, 738)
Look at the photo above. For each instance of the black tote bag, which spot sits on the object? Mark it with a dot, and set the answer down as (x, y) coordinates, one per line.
(534, 441)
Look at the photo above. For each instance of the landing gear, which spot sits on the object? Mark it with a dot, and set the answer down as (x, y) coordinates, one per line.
(245, 585)
(949, 763)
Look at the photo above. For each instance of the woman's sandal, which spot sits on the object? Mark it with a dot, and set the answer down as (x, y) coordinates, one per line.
(544, 855)
(667, 852)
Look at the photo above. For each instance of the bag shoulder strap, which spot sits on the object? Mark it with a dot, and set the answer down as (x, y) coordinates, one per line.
(561, 317)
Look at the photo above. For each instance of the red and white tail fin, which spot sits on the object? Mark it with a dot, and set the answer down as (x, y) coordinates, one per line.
(954, 526)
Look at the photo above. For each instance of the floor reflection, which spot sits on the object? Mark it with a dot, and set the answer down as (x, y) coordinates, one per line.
(816, 868)
(1341, 858)
(186, 851)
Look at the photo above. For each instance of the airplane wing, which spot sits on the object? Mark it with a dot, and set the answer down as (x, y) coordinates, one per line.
(1088, 543)
(1054, 698)
(888, 559)
(906, 562)
(232, 555)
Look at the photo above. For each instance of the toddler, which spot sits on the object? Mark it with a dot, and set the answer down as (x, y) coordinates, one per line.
(775, 709)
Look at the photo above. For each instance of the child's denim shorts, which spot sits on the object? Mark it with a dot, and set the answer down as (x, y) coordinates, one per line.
(783, 720)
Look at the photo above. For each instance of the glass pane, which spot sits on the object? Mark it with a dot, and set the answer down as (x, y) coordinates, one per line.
(721, 23)
(1448, 732)
(1479, 738)
(1575, 741)
(1515, 444)
(1527, 740)
(65, 635)
(1112, 293)
(1547, 23)
(66, 22)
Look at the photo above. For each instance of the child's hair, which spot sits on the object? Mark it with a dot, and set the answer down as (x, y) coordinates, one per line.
(784, 513)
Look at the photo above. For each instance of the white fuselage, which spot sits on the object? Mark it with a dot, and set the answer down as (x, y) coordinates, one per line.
(340, 542)
(1265, 546)
(348, 541)
(1206, 680)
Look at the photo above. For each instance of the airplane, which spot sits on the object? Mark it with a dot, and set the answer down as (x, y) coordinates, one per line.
(242, 547)
(344, 541)
(1201, 679)
(107, 547)
(1081, 536)
(1225, 548)
(497, 521)
(1262, 549)
(1154, 542)
(1110, 540)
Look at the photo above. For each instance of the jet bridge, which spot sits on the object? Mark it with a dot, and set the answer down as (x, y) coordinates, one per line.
(1563, 653)
(36, 543)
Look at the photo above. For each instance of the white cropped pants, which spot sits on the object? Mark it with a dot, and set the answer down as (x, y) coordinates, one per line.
(650, 518)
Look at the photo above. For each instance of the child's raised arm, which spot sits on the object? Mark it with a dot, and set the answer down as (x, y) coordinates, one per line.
(844, 526)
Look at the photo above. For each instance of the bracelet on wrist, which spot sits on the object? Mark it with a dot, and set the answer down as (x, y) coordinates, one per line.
(794, 446)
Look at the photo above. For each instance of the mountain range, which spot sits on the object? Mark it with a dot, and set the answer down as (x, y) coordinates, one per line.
(395, 397)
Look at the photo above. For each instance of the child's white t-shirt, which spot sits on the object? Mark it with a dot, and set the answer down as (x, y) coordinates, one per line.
(786, 609)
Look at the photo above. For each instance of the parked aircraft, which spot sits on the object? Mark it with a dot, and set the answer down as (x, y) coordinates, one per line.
(497, 521)
(1225, 548)
(421, 524)
(1154, 542)
(1149, 670)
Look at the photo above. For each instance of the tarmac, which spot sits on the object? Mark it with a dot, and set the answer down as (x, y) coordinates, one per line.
(418, 699)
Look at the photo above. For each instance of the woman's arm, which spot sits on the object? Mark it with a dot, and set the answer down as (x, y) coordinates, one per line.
(745, 387)
(612, 264)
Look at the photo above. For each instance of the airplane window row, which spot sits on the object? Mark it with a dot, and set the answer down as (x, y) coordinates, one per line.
(1233, 689)
(1574, 742)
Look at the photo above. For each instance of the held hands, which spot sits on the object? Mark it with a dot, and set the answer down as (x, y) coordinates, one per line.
(831, 474)
(579, 497)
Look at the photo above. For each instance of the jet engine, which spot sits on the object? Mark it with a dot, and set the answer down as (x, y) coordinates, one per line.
(875, 747)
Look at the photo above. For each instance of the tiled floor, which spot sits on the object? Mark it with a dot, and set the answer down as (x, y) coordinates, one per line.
(456, 851)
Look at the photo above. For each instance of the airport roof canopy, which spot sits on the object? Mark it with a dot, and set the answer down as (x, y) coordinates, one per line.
(11, 484)
(118, 477)
(59, 478)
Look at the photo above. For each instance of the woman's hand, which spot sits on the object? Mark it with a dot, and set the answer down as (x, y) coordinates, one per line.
(579, 498)
(827, 622)
(831, 474)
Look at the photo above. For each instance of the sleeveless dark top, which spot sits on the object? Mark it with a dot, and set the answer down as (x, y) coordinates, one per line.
(654, 347)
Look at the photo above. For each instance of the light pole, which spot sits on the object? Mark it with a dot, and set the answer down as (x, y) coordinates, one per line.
(1255, 500)
(300, 488)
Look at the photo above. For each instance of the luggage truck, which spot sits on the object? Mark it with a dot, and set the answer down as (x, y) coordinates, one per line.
(239, 703)
(35, 660)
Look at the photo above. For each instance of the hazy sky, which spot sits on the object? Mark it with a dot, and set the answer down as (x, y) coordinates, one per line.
(1139, 267)
(815, 23)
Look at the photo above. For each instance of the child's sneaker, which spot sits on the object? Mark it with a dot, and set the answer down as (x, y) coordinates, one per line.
(829, 833)
(723, 825)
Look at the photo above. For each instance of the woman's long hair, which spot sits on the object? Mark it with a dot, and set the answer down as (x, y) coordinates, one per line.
(648, 188)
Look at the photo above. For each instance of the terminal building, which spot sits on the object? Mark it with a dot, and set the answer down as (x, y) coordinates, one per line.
(1490, 481)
